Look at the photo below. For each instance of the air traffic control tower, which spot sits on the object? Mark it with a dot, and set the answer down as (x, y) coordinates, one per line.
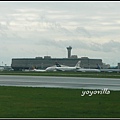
(69, 51)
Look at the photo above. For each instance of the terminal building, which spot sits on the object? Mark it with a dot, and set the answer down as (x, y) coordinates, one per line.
(47, 61)
(118, 65)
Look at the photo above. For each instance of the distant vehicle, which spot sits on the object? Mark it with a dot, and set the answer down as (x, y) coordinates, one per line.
(6, 68)
(1, 68)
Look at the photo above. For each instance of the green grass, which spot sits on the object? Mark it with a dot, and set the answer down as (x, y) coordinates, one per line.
(28, 102)
(64, 74)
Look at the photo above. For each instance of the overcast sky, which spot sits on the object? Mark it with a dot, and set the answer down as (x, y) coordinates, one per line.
(37, 29)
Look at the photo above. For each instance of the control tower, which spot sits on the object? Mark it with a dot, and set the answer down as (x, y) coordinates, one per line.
(69, 51)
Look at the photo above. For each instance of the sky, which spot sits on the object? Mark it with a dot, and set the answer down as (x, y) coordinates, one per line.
(38, 29)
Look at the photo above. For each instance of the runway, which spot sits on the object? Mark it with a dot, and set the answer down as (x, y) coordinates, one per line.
(60, 82)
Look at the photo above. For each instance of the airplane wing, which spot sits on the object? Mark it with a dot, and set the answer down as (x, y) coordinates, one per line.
(59, 69)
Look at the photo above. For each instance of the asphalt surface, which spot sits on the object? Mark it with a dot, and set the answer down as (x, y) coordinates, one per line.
(60, 82)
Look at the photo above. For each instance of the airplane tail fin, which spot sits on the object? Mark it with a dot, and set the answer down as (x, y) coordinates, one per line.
(33, 67)
(78, 64)
(57, 64)
(98, 67)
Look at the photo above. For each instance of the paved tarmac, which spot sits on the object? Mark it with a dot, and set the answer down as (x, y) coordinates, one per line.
(60, 82)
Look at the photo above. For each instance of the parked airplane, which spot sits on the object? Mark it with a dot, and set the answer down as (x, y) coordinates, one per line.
(51, 68)
(67, 68)
(33, 69)
(88, 70)
(54, 68)
(38, 70)
(77, 68)
(108, 70)
(58, 67)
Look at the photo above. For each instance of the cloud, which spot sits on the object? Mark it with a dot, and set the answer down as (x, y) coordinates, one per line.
(111, 46)
(82, 31)
(30, 27)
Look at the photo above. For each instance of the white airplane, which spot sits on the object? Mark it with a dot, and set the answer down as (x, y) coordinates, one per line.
(51, 68)
(67, 68)
(76, 68)
(108, 70)
(33, 69)
(88, 70)
(59, 67)
(38, 70)
(54, 67)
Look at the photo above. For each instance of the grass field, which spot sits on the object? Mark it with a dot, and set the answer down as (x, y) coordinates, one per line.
(28, 102)
(65, 74)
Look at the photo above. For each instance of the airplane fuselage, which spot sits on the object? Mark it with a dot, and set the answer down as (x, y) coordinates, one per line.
(66, 68)
(87, 70)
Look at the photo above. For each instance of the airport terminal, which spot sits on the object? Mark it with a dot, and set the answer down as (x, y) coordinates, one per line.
(43, 63)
